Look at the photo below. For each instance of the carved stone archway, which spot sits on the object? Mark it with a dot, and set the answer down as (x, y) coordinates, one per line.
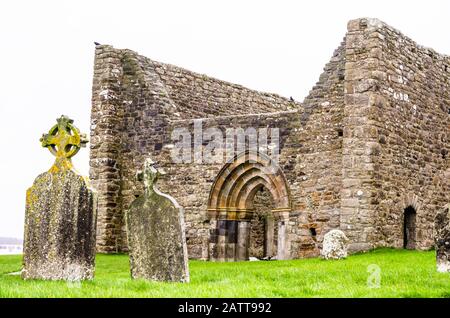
(230, 205)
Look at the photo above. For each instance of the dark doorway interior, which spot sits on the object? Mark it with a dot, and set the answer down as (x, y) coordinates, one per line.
(409, 228)
(263, 227)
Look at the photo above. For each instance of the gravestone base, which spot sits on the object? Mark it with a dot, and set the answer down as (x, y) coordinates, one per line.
(60, 270)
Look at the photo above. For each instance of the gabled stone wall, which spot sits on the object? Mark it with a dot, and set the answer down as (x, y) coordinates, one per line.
(134, 100)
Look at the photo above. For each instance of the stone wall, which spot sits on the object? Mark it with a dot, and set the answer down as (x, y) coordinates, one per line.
(133, 101)
(106, 145)
(400, 97)
(370, 139)
(358, 209)
(316, 153)
(150, 99)
(191, 183)
(310, 157)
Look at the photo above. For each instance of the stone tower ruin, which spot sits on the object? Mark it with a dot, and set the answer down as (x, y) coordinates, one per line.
(366, 152)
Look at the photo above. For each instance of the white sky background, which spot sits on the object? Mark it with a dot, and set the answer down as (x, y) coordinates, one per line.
(47, 52)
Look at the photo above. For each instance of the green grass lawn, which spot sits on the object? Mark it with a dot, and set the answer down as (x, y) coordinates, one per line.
(403, 274)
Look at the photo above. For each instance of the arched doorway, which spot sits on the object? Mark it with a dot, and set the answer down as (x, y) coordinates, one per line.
(233, 200)
(409, 228)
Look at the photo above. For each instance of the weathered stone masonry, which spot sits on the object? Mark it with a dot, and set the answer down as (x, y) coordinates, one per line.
(370, 140)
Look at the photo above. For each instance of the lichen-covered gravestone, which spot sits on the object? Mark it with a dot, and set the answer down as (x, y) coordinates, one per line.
(60, 217)
(155, 229)
(442, 227)
(334, 245)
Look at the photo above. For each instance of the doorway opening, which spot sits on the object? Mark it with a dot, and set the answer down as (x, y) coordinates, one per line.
(263, 229)
(409, 228)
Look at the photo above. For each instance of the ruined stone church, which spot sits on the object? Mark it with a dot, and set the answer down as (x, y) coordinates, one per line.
(366, 152)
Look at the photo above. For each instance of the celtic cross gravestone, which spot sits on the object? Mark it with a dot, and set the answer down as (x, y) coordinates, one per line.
(60, 215)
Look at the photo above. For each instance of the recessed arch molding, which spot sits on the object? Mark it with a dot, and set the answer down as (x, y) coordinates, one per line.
(230, 204)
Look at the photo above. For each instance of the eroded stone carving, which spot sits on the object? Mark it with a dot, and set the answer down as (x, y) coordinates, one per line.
(155, 230)
(60, 217)
(334, 245)
(442, 239)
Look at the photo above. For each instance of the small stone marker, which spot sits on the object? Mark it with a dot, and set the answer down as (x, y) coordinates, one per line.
(334, 245)
(155, 229)
(60, 217)
(442, 239)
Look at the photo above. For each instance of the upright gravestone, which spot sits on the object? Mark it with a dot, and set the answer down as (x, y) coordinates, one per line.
(442, 227)
(60, 215)
(155, 229)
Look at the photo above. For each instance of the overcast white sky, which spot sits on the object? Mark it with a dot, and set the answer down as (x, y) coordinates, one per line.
(278, 46)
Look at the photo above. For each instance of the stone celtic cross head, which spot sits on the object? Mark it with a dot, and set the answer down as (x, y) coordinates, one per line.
(64, 139)
(150, 174)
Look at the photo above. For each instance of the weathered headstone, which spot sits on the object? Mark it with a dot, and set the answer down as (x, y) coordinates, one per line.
(155, 229)
(60, 217)
(334, 245)
(442, 239)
